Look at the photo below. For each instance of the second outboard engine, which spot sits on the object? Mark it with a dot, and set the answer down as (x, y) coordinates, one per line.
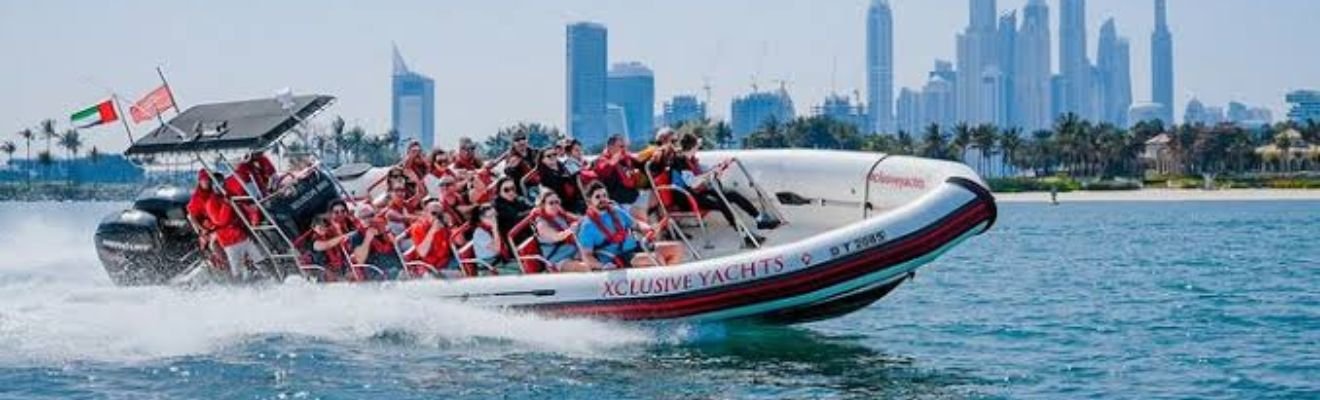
(150, 243)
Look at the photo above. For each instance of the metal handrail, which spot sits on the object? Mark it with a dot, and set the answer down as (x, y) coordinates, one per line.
(866, 192)
(665, 214)
(766, 204)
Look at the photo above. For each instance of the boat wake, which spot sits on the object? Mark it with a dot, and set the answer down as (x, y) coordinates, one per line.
(59, 307)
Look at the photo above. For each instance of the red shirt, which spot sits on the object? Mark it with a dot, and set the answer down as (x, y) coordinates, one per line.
(438, 255)
(334, 257)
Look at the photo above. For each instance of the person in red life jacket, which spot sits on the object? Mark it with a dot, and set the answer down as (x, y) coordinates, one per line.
(440, 166)
(687, 174)
(373, 244)
(455, 199)
(555, 177)
(554, 234)
(201, 222)
(488, 242)
(467, 159)
(414, 164)
(258, 171)
(329, 247)
(341, 218)
(619, 172)
(397, 208)
(240, 250)
(606, 235)
(430, 236)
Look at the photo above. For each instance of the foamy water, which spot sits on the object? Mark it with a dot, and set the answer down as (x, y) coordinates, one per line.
(58, 306)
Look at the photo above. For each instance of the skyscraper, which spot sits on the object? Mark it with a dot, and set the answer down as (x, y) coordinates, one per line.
(1115, 83)
(880, 66)
(1006, 51)
(1073, 63)
(750, 113)
(587, 59)
(908, 116)
(1033, 68)
(976, 52)
(683, 108)
(939, 103)
(1161, 62)
(412, 102)
(631, 86)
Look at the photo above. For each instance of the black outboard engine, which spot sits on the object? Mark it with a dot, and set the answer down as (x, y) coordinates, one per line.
(150, 243)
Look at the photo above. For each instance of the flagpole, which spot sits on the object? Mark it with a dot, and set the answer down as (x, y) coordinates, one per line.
(168, 89)
(123, 118)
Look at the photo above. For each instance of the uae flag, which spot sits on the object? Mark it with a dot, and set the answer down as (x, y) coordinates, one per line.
(152, 104)
(95, 115)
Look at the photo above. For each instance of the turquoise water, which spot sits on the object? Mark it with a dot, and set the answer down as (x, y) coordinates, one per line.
(1104, 300)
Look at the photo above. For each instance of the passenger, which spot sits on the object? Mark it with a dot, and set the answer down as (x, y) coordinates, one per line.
(398, 210)
(374, 245)
(414, 163)
(455, 200)
(618, 171)
(554, 234)
(431, 235)
(525, 153)
(239, 249)
(519, 171)
(342, 219)
(557, 178)
(199, 219)
(256, 172)
(607, 235)
(467, 159)
(440, 167)
(572, 156)
(510, 209)
(329, 247)
(487, 245)
(688, 175)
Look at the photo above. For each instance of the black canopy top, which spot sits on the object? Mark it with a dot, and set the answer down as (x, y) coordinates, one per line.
(237, 125)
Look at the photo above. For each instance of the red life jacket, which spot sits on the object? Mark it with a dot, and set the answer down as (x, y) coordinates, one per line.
(228, 228)
(615, 236)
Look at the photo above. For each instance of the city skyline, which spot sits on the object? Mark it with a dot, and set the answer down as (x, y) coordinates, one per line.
(504, 75)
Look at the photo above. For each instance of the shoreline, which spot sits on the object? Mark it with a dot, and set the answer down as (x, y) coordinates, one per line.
(1164, 195)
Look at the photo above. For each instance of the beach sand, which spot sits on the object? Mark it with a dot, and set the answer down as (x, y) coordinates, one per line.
(1165, 195)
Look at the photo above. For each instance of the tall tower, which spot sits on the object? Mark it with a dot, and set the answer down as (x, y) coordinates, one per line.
(1033, 68)
(1161, 62)
(1114, 72)
(412, 104)
(587, 60)
(976, 52)
(1006, 49)
(880, 67)
(1073, 63)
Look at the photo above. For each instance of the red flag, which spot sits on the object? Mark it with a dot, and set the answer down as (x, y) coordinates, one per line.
(152, 104)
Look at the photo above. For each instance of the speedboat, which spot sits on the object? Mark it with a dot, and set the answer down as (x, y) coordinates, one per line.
(856, 226)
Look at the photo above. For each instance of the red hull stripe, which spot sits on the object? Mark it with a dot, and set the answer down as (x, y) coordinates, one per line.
(797, 283)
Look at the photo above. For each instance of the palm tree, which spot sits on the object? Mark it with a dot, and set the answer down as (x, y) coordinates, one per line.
(962, 140)
(8, 148)
(48, 131)
(28, 135)
(94, 157)
(934, 144)
(1009, 143)
(72, 142)
(984, 137)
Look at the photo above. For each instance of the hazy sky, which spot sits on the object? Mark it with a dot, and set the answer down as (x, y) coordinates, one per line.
(497, 62)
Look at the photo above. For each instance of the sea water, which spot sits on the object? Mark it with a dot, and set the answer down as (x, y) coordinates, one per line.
(1099, 300)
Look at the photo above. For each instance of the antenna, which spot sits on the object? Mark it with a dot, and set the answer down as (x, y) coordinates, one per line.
(834, 72)
(705, 86)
